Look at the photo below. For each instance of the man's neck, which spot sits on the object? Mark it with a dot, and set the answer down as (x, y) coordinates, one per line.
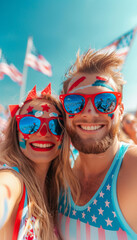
(93, 165)
(91, 170)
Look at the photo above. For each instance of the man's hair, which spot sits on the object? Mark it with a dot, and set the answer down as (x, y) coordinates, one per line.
(99, 62)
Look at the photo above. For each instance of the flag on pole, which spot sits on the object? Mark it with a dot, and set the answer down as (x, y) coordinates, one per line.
(37, 61)
(9, 70)
(122, 45)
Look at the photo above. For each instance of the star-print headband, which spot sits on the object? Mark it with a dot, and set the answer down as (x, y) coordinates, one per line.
(31, 95)
(28, 124)
(104, 102)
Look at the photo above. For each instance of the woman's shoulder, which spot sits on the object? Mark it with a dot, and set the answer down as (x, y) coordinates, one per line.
(11, 178)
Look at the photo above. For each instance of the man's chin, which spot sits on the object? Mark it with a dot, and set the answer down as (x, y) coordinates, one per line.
(91, 146)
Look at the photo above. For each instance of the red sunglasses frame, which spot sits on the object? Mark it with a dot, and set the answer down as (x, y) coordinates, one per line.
(43, 120)
(118, 96)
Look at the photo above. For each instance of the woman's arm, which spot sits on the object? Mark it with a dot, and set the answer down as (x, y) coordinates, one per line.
(11, 190)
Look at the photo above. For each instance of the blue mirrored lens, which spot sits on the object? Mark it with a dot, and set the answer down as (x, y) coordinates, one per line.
(105, 102)
(55, 127)
(29, 125)
(74, 103)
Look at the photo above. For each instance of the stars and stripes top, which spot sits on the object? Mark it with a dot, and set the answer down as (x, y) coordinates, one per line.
(101, 218)
(20, 232)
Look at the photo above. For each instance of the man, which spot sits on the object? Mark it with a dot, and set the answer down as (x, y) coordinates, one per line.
(105, 167)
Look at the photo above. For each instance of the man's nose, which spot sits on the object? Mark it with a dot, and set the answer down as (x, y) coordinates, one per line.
(89, 108)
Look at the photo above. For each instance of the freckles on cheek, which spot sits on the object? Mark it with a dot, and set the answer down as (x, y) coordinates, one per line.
(22, 143)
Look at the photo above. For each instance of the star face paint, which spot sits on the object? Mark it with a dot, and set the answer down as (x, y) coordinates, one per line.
(111, 115)
(45, 107)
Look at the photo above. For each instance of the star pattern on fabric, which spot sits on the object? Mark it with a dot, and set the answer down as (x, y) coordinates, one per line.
(74, 212)
(107, 203)
(109, 222)
(114, 214)
(108, 187)
(94, 218)
(45, 107)
(88, 209)
(95, 202)
(100, 211)
(101, 194)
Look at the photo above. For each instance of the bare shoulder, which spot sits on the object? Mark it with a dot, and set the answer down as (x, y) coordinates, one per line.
(13, 182)
(127, 187)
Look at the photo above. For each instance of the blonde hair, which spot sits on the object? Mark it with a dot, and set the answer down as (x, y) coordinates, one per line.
(96, 62)
(43, 210)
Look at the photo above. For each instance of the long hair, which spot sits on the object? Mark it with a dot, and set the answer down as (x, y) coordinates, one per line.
(43, 210)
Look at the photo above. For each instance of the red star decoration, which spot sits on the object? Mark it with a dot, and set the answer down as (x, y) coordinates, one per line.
(29, 109)
(45, 107)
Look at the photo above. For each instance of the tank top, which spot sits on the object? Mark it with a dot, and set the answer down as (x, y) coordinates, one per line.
(101, 218)
(22, 216)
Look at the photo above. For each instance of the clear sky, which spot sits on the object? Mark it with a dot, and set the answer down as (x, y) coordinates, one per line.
(59, 28)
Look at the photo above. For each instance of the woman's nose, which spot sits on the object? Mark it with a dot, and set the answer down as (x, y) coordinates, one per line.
(43, 130)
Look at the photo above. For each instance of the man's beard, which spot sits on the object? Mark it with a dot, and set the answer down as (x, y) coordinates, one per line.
(90, 145)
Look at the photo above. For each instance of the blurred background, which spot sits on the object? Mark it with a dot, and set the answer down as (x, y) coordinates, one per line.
(59, 29)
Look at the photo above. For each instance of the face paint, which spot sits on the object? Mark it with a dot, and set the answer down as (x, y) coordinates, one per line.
(32, 112)
(101, 78)
(111, 115)
(45, 107)
(53, 114)
(39, 113)
(29, 109)
(23, 143)
(59, 147)
(75, 84)
(5, 213)
(71, 116)
(102, 84)
(43, 130)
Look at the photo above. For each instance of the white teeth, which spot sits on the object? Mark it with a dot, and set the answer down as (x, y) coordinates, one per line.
(90, 127)
(40, 145)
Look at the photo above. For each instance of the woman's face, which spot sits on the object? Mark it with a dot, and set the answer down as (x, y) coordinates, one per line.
(44, 142)
(130, 124)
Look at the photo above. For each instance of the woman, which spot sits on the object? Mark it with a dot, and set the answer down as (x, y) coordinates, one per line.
(129, 128)
(30, 173)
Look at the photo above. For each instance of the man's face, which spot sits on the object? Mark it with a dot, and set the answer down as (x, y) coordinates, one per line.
(90, 130)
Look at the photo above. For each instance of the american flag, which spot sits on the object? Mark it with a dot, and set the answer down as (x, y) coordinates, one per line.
(122, 44)
(9, 70)
(38, 62)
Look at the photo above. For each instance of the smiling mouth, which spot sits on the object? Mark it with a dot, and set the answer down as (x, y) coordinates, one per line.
(90, 128)
(42, 146)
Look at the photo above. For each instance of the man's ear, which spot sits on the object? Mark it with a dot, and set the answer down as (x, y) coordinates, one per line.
(121, 110)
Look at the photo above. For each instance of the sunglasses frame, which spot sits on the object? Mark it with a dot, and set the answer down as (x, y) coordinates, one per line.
(118, 96)
(43, 120)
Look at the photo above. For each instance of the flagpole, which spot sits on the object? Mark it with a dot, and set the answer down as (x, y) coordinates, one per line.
(25, 70)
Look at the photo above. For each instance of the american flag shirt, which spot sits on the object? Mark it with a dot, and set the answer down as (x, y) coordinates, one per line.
(101, 218)
(22, 216)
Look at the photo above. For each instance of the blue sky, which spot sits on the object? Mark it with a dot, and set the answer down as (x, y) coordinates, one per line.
(59, 29)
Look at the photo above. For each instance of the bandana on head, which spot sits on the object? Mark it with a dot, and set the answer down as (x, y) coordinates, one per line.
(31, 95)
